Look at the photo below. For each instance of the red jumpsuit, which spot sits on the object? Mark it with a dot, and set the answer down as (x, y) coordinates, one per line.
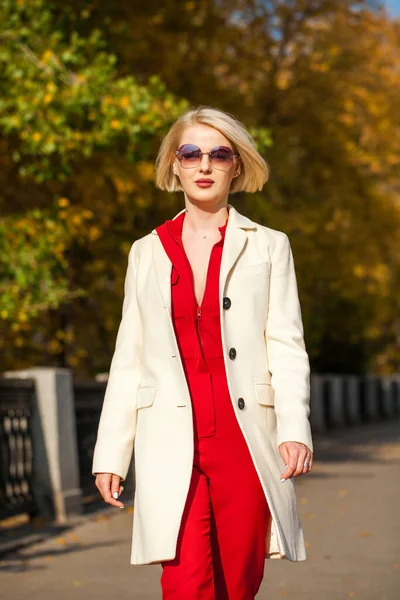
(221, 543)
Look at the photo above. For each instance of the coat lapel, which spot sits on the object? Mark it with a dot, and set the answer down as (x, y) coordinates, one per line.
(162, 267)
(234, 244)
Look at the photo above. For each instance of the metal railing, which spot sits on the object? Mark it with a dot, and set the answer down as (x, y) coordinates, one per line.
(337, 401)
(16, 448)
(88, 400)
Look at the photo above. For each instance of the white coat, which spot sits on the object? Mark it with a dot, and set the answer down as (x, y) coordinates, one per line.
(147, 406)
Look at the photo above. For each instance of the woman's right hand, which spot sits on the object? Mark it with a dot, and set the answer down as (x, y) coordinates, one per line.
(108, 484)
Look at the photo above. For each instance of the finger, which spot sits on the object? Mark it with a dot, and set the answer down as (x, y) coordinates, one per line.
(291, 465)
(306, 464)
(117, 494)
(116, 489)
(301, 459)
(311, 462)
(284, 453)
(105, 490)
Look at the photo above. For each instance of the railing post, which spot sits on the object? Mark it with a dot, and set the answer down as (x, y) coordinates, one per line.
(55, 464)
(352, 399)
(371, 398)
(396, 394)
(337, 408)
(388, 409)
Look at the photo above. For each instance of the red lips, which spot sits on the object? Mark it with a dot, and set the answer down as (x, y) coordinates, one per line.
(204, 181)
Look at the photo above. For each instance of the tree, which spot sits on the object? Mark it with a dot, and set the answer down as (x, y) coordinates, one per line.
(317, 78)
(76, 143)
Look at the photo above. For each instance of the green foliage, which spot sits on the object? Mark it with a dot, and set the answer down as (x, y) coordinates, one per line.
(62, 104)
(62, 99)
(87, 91)
(30, 251)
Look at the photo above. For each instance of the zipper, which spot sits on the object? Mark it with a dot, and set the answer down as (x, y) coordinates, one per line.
(198, 312)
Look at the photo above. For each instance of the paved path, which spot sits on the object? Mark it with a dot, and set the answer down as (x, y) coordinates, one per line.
(350, 510)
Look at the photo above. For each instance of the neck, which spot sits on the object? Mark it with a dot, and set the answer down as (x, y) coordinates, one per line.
(205, 219)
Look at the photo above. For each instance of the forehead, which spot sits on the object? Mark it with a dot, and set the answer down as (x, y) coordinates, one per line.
(204, 136)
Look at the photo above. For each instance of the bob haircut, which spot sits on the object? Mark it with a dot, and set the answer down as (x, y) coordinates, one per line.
(255, 169)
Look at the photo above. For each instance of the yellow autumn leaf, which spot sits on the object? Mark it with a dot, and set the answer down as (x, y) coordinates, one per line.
(47, 55)
(62, 541)
(76, 219)
(146, 170)
(73, 361)
(124, 101)
(94, 233)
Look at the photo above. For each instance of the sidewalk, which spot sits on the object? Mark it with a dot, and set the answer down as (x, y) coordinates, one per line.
(349, 507)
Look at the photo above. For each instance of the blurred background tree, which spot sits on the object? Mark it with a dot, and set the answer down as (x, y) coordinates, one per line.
(88, 91)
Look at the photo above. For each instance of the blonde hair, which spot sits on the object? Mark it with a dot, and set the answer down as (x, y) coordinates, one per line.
(255, 169)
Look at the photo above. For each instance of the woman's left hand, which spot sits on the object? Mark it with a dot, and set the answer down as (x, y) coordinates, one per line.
(295, 454)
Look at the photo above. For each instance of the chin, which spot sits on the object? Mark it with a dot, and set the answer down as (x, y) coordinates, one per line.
(205, 195)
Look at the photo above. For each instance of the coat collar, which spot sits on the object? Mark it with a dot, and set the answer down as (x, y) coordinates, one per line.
(236, 219)
(234, 244)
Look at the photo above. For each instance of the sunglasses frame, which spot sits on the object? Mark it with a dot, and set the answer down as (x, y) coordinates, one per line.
(179, 156)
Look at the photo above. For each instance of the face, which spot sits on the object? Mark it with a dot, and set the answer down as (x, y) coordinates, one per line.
(216, 189)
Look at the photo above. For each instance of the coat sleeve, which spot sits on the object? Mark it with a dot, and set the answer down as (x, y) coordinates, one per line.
(117, 425)
(287, 356)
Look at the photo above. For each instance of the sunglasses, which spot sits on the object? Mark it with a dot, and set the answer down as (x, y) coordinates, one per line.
(190, 156)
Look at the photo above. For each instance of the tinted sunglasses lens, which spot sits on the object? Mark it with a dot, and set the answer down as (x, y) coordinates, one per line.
(190, 155)
(221, 156)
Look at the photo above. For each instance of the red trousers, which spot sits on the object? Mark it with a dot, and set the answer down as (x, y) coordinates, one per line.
(221, 543)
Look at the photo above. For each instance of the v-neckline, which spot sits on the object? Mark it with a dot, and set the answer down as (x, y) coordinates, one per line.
(178, 238)
(199, 306)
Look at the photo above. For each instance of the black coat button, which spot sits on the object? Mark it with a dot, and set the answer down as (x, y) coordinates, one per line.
(232, 353)
(241, 403)
(226, 303)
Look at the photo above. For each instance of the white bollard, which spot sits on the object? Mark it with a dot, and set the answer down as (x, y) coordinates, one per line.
(55, 455)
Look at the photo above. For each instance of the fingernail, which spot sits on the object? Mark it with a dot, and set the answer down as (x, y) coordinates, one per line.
(115, 495)
(283, 479)
(121, 506)
(286, 466)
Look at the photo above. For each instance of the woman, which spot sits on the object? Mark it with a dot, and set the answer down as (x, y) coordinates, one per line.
(210, 377)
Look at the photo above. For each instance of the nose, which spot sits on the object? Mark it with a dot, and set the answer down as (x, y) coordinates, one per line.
(205, 165)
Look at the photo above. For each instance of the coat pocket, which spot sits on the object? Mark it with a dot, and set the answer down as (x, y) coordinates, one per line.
(145, 396)
(264, 394)
(256, 270)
